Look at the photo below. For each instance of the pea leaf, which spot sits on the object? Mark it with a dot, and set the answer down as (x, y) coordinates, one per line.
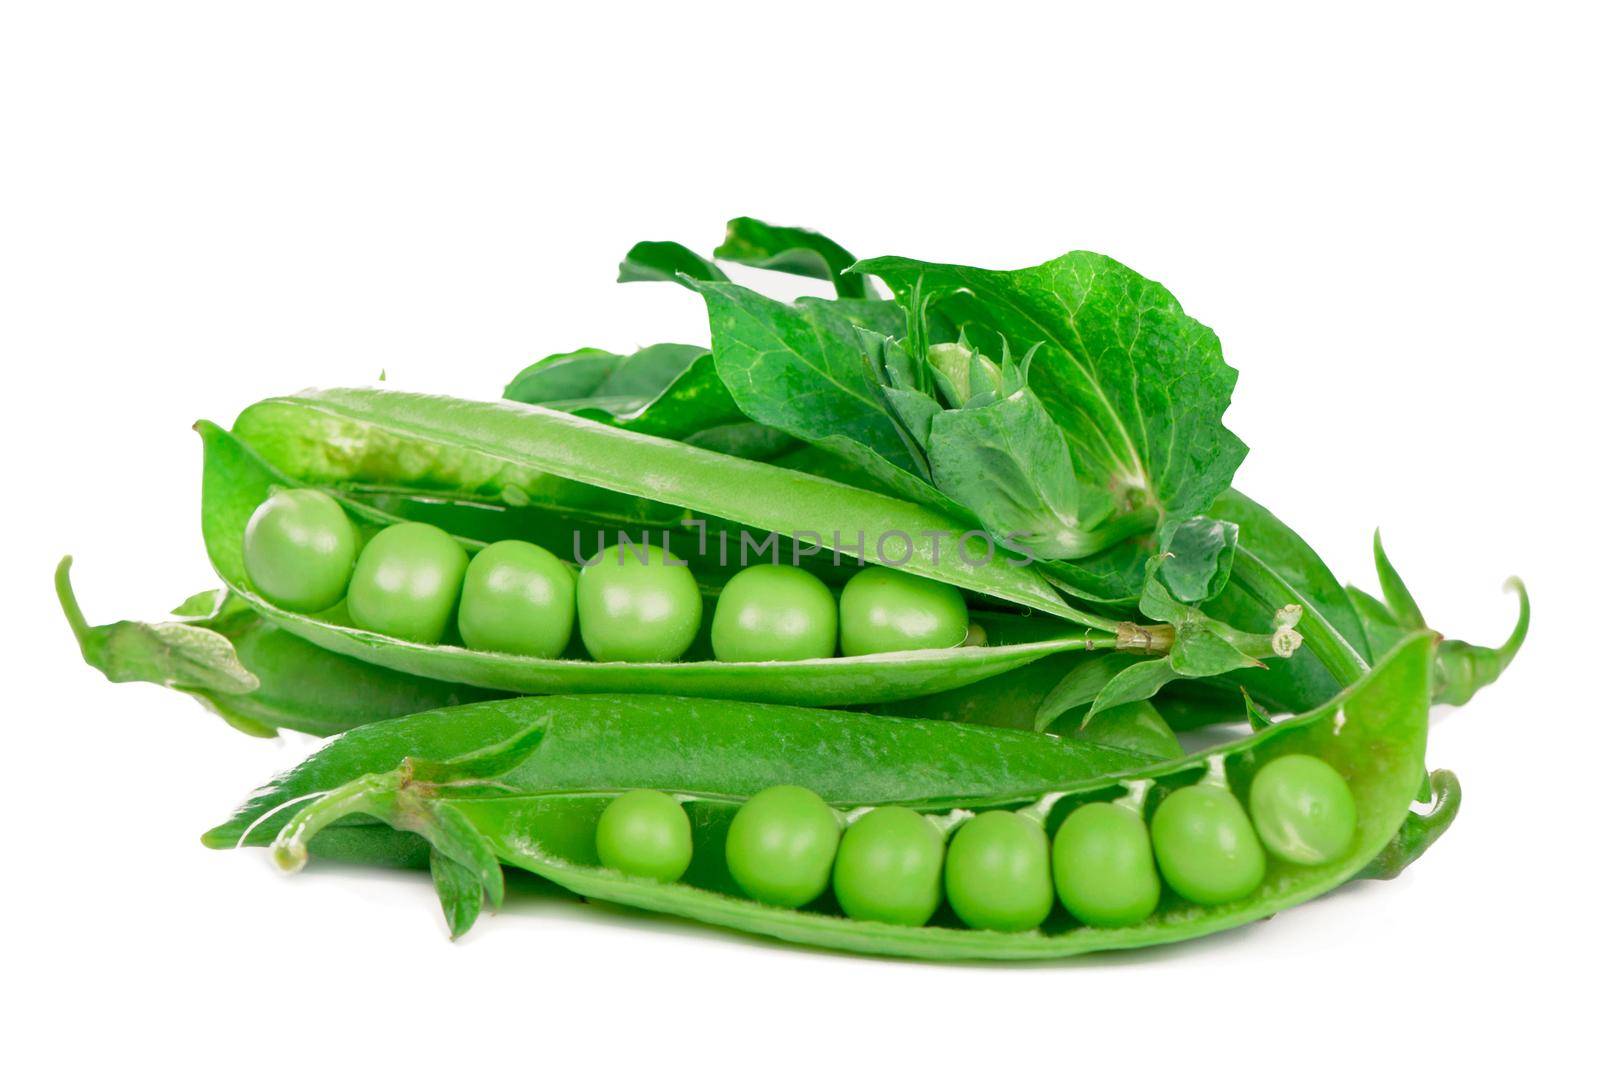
(665, 261)
(1137, 682)
(1137, 386)
(802, 369)
(628, 382)
(791, 249)
(1081, 685)
(1198, 557)
(667, 390)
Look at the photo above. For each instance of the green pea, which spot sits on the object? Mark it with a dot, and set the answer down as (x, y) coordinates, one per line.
(635, 604)
(517, 598)
(645, 833)
(997, 872)
(1303, 810)
(885, 610)
(406, 583)
(890, 867)
(1104, 869)
(1205, 846)
(781, 845)
(299, 550)
(774, 613)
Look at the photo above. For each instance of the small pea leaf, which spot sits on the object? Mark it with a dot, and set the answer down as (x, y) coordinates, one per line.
(667, 390)
(588, 374)
(1254, 715)
(1136, 726)
(1081, 686)
(666, 262)
(1198, 557)
(460, 893)
(791, 249)
(1137, 682)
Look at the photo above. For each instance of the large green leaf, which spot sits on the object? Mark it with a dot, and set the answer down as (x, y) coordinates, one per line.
(801, 369)
(1138, 386)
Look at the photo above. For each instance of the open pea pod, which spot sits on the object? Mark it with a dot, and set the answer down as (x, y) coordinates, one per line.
(236, 480)
(1373, 733)
(505, 449)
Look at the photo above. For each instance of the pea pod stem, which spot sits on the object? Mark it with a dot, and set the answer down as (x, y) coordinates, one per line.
(1134, 794)
(359, 796)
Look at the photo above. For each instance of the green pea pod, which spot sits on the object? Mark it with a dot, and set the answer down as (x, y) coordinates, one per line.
(255, 676)
(1374, 733)
(327, 436)
(621, 741)
(237, 480)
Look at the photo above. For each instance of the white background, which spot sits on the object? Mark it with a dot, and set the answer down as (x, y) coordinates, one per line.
(1387, 213)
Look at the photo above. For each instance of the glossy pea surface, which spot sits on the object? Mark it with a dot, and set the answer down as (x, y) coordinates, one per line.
(406, 583)
(774, 613)
(1205, 845)
(997, 872)
(781, 845)
(634, 604)
(300, 549)
(1303, 810)
(518, 598)
(645, 833)
(890, 867)
(1104, 869)
(886, 610)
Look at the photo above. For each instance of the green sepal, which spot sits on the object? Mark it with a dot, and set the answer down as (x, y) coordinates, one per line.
(1402, 605)
(460, 893)
(183, 654)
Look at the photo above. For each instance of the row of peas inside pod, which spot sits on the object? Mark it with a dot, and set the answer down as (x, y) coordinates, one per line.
(999, 870)
(632, 602)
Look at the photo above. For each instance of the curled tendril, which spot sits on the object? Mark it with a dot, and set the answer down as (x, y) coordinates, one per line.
(1460, 670)
(1420, 830)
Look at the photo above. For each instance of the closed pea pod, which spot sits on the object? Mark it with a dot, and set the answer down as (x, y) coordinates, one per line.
(1302, 810)
(890, 867)
(1204, 843)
